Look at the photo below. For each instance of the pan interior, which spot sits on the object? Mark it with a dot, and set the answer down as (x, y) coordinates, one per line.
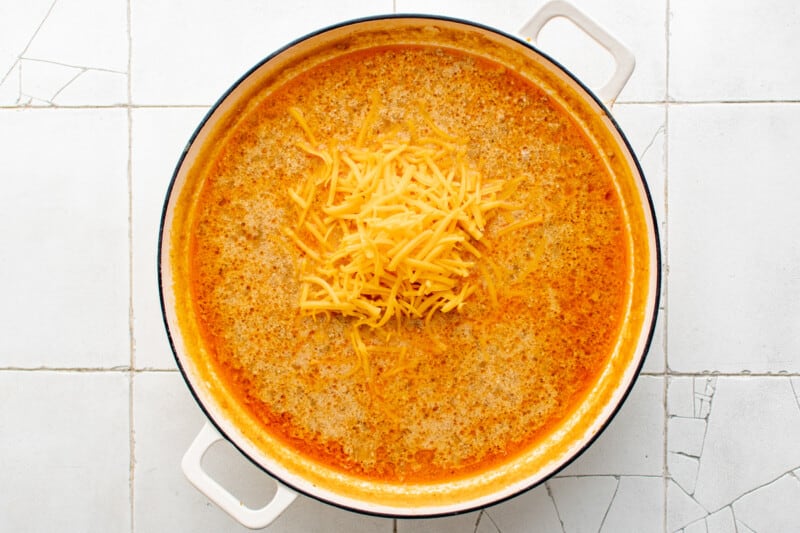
(432, 412)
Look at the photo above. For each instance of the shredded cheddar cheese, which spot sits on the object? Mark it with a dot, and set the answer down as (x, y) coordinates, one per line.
(389, 227)
(391, 232)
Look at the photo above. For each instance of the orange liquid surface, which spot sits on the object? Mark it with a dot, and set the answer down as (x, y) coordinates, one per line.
(474, 387)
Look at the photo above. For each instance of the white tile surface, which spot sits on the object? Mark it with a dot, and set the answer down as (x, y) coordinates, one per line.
(64, 226)
(312, 516)
(773, 507)
(476, 522)
(166, 420)
(633, 442)
(50, 53)
(683, 470)
(104, 21)
(717, 454)
(721, 521)
(644, 126)
(101, 87)
(17, 31)
(734, 259)
(191, 52)
(686, 435)
(688, 407)
(741, 527)
(639, 26)
(583, 502)
(680, 397)
(721, 51)
(638, 505)
(754, 474)
(795, 383)
(66, 453)
(682, 510)
(729, 466)
(532, 512)
(159, 136)
(699, 526)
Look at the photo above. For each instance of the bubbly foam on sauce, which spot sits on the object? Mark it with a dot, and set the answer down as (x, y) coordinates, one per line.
(470, 388)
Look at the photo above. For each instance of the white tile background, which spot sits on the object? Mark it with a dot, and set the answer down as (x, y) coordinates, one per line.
(97, 99)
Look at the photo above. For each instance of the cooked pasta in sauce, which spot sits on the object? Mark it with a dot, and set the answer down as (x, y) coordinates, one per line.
(418, 396)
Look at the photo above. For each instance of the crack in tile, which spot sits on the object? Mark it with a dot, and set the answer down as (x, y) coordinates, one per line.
(69, 82)
(555, 506)
(685, 454)
(733, 516)
(703, 407)
(706, 399)
(737, 523)
(29, 100)
(718, 519)
(50, 101)
(693, 522)
(71, 65)
(703, 400)
(478, 521)
(489, 516)
(795, 391)
(700, 505)
(759, 487)
(484, 514)
(19, 83)
(683, 469)
(610, 504)
(772, 507)
(672, 417)
(707, 395)
(30, 41)
(661, 129)
(703, 389)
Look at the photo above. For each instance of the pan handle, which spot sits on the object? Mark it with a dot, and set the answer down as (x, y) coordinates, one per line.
(248, 517)
(623, 57)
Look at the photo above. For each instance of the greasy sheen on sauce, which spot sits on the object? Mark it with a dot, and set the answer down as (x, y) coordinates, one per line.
(473, 387)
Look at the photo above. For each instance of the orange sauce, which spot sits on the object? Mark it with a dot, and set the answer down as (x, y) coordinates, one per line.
(477, 386)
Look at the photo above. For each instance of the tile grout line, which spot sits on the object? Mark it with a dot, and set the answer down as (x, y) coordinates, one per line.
(132, 362)
(665, 267)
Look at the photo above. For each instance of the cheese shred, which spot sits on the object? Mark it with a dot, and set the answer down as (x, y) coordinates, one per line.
(390, 226)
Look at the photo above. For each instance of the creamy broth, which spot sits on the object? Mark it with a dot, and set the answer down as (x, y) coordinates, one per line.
(473, 387)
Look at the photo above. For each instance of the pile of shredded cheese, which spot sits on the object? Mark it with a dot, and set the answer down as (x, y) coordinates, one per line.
(388, 228)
